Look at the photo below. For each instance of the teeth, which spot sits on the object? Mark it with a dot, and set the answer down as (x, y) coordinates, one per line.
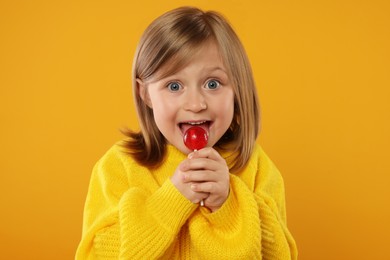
(196, 123)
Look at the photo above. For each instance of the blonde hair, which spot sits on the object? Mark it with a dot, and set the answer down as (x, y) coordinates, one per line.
(169, 42)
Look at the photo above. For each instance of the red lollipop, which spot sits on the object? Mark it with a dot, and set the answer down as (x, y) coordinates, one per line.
(195, 138)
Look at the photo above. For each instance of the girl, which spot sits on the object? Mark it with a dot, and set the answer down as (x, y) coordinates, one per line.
(150, 196)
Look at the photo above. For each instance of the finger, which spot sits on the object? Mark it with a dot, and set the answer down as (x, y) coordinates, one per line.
(202, 164)
(205, 187)
(200, 176)
(207, 152)
(199, 196)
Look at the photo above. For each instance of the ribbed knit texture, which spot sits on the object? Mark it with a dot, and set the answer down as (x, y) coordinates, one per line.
(132, 212)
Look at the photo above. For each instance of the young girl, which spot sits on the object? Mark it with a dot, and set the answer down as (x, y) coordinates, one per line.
(150, 197)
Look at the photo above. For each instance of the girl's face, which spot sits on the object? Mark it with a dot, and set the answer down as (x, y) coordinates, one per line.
(199, 94)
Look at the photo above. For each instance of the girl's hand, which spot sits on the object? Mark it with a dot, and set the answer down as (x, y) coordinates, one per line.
(184, 187)
(207, 173)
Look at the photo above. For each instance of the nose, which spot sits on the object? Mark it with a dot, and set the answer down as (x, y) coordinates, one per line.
(195, 100)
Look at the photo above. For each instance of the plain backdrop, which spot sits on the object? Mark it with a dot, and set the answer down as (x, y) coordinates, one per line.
(322, 72)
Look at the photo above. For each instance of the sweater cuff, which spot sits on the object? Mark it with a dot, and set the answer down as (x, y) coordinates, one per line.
(225, 217)
(169, 207)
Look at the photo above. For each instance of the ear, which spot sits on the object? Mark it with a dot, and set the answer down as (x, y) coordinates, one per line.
(142, 91)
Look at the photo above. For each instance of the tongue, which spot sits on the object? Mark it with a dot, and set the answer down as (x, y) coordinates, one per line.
(195, 138)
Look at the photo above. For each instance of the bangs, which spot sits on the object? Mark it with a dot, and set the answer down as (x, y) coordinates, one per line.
(179, 60)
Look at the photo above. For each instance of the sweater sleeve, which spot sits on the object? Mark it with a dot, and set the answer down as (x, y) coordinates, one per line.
(231, 232)
(129, 222)
(251, 224)
(269, 193)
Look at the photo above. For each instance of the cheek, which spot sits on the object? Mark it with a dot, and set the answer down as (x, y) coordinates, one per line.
(163, 109)
(224, 109)
(228, 105)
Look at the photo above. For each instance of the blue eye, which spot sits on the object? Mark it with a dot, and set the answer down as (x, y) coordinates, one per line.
(212, 84)
(174, 86)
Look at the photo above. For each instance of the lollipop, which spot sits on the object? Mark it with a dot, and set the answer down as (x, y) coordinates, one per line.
(195, 138)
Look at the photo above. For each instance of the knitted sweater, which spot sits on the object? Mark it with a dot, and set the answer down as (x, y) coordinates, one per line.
(132, 212)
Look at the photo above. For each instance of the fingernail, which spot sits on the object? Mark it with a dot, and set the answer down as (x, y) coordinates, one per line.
(193, 186)
(190, 155)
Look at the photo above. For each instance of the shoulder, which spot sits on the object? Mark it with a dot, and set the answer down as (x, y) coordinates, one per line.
(260, 173)
(114, 165)
(118, 166)
(112, 158)
(268, 178)
(115, 172)
(263, 161)
(116, 156)
(260, 161)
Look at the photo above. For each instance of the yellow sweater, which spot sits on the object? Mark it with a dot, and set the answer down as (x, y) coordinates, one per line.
(132, 212)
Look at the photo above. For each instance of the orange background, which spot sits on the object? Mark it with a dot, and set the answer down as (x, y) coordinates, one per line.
(322, 70)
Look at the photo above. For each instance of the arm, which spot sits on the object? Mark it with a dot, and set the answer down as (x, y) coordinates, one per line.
(126, 221)
(251, 222)
(231, 232)
(269, 193)
(228, 227)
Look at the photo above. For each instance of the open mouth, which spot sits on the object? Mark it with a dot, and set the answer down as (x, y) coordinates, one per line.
(184, 126)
